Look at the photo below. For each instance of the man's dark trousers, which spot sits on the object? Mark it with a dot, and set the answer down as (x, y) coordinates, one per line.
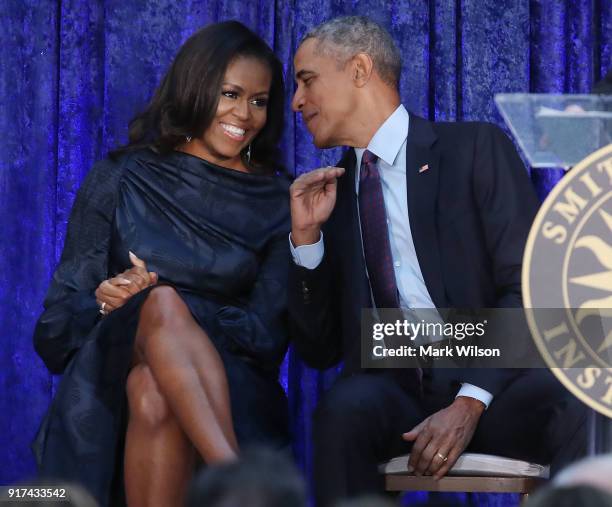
(359, 422)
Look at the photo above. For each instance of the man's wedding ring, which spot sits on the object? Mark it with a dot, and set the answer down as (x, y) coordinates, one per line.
(103, 308)
(442, 457)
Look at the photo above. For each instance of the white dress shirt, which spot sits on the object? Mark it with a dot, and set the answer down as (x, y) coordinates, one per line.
(389, 145)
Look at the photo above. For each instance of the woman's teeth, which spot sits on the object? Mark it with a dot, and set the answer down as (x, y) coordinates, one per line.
(233, 131)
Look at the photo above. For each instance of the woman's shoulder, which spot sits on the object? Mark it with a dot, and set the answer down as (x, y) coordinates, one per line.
(115, 164)
(103, 179)
(119, 160)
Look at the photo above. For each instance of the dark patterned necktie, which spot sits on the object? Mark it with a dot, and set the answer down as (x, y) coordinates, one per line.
(375, 235)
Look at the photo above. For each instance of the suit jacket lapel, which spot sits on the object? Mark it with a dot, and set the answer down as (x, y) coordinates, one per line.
(422, 188)
(347, 203)
(348, 230)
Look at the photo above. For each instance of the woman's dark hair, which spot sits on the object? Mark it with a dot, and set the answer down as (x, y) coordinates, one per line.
(186, 101)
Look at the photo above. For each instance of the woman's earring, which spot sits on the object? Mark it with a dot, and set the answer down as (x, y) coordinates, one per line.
(249, 154)
(188, 139)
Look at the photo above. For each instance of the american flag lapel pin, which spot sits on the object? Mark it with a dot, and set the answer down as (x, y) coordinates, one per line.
(424, 168)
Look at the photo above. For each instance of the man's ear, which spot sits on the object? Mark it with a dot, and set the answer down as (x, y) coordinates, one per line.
(362, 67)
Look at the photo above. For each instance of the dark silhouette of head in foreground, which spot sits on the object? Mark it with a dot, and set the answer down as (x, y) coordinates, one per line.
(261, 478)
(570, 496)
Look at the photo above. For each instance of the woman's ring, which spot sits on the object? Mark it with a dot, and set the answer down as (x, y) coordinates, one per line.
(442, 457)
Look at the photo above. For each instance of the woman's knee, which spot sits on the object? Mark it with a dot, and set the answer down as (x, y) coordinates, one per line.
(147, 405)
(164, 306)
(164, 310)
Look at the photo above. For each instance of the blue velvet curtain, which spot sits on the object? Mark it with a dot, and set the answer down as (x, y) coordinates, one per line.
(73, 72)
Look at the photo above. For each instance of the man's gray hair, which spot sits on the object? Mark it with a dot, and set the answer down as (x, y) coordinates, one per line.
(345, 36)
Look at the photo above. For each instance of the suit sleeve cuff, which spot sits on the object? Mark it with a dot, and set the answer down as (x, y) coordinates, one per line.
(307, 256)
(472, 391)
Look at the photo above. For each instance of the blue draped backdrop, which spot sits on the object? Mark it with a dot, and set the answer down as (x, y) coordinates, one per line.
(73, 72)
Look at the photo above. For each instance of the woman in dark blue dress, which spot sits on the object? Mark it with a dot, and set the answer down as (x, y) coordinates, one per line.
(166, 314)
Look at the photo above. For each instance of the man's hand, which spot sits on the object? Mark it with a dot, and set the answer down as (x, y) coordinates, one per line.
(444, 434)
(115, 291)
(313, 197)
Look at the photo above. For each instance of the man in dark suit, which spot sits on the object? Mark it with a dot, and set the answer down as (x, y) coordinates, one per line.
(416, 215)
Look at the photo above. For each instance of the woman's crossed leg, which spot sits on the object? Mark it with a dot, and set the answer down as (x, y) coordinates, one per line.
(179, 403)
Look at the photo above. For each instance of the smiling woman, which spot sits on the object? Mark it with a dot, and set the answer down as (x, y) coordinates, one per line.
(166, 314)
(221, 83)
(241, 114)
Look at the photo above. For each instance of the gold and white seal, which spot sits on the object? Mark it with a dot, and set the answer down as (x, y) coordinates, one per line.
(567, 280)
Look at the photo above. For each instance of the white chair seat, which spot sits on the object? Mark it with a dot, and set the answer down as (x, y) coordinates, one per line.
(471, 473)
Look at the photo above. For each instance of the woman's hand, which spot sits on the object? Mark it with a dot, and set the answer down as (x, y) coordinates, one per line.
(114, 292)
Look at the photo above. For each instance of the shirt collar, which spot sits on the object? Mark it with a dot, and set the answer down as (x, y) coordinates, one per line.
(389, 138)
